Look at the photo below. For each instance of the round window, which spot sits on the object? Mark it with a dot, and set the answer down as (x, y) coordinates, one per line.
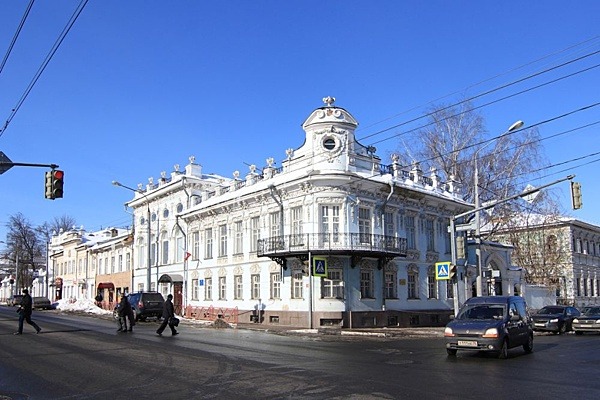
(153, 218)
(179, 207)
(142, 221)
(329, 143)
(165, 213)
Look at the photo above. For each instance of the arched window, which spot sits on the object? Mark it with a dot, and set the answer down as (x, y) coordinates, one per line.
(432, 283)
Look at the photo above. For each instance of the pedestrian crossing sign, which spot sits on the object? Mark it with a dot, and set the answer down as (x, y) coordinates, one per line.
(442, 270)
(320, 266)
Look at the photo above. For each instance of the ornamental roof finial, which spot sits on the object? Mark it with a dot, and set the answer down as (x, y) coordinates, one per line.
(329, 100)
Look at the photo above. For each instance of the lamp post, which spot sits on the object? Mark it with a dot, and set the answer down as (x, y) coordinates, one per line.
(479, 288)
(149, 264)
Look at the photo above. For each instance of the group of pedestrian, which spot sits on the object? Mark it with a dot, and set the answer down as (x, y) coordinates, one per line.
(125, 312)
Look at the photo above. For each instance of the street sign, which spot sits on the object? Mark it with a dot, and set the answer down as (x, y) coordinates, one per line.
(442, 270)
(320, 266)
(5, 163)
(471, 226)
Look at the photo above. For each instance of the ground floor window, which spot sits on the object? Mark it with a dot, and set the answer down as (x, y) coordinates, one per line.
(333, 285)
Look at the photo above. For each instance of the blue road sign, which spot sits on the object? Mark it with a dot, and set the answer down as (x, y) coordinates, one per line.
(442, 270)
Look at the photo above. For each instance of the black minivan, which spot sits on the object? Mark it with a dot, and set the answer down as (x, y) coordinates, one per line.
(144, 305)
(490, 323)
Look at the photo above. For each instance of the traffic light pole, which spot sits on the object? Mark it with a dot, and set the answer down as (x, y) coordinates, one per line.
(453, 227)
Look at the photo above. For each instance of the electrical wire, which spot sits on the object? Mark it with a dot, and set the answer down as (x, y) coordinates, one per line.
(16, 35)
(44, 64)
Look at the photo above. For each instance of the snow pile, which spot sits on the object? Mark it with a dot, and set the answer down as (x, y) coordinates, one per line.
(83, 305)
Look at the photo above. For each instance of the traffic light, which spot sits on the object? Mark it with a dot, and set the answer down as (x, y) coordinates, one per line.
(48, 193)
(54, 184)
(452, 273)
(57, 183)
(576, 199)
(460, 247)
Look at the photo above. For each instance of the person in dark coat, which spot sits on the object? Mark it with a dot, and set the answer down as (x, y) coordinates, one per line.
(25, 310)
(168, 316)
(125, 313)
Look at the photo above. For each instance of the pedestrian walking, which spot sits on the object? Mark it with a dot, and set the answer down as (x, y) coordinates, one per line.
(125, 313)
(168, 316)
(25, 310)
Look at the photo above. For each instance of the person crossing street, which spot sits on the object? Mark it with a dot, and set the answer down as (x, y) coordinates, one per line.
(25, 310)
(168, 316)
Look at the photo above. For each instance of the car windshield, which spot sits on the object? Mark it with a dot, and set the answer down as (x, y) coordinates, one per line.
(551, 310)
(483, 311)
(592, 311)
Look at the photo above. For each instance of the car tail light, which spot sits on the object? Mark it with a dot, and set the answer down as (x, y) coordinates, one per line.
(140, 304)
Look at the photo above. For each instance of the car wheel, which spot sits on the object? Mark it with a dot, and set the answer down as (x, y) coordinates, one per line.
(451, 352)
(503, 354)
(562, 329)
(528, 347)
(578, 333)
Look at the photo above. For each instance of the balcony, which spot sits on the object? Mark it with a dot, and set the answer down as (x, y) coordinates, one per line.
(353, 244)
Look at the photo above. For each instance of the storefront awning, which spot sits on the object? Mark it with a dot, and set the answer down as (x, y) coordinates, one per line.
(166, 278)
(106, 285)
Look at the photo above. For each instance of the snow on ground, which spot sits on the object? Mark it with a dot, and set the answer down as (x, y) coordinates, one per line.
(82, 305)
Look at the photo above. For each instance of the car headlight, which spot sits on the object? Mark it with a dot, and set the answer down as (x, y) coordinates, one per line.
(448, 331)
(491, 333)
(598, 321)
(554, 320)
(576, 321)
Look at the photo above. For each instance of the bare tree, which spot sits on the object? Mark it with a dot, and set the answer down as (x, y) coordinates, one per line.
(57, 225)
(454, 140)
(26, 247)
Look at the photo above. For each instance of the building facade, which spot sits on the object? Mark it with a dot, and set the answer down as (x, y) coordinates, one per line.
(332, 237)
(560, 252)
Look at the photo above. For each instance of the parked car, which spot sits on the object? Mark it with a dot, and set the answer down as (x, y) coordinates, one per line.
(145, 305)
(588, 321)
(41, 303)
(15, 300)
(490, 323)
(555, 319)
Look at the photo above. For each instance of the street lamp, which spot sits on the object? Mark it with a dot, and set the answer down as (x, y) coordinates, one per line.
(479, 288)
(149, 265)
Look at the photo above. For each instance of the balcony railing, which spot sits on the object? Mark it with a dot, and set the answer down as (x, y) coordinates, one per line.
(332, 242)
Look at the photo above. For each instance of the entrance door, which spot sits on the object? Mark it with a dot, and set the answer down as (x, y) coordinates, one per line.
(178, 297)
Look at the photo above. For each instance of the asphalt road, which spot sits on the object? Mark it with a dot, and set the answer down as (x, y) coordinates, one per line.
(80, 357)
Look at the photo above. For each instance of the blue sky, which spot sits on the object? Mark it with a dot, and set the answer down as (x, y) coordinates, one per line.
(138, 86)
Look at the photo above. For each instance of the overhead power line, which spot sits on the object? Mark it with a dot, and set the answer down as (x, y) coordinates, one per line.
(44, 64)
(16, 35)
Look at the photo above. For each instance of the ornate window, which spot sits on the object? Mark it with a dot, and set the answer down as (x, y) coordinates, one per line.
(297, 287)
(432, 283)
(239, 287)
(222, 240)
(412, 282)
(207, 288)
(366, 283)
(391, 289)
(255, 279)
(208, 243)
(275, 285)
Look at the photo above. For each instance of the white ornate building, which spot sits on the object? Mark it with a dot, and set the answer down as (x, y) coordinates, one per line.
(247, 242)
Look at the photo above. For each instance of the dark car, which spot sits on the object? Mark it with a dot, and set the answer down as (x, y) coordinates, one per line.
(587, 321)
(555, 319)
(41, 303)
(145, 305)
(490, 323)
(15, 300)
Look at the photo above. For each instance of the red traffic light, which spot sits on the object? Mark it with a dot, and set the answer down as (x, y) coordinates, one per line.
(58, 174)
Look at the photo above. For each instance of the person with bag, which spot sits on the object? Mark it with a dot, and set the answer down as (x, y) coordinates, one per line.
(168, 316)
(125, 313)
(25, 310)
